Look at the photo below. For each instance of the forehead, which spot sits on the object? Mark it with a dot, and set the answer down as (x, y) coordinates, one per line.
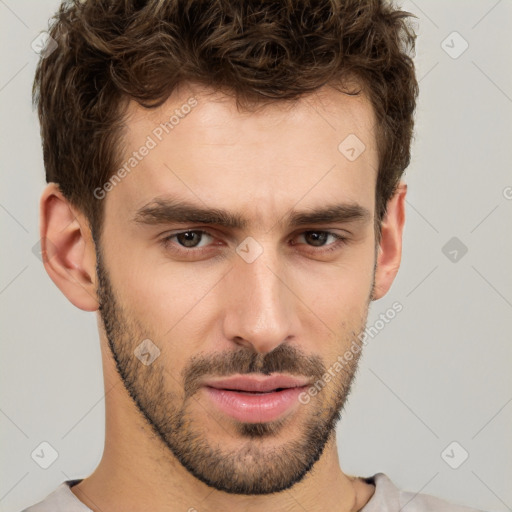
(200, 147)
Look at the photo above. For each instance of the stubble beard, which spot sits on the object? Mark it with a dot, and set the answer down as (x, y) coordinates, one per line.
(252, 468)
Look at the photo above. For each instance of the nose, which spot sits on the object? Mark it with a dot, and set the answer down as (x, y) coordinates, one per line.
(260, 310)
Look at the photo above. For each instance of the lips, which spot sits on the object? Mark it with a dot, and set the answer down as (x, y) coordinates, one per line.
(255, 384)
(256, 399)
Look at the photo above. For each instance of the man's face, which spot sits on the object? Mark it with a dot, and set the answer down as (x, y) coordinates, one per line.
(274, 293)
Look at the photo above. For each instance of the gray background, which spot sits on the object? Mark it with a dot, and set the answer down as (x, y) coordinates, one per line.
(435, 374)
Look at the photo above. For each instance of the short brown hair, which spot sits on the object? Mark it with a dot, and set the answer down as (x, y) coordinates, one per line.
(112, 51)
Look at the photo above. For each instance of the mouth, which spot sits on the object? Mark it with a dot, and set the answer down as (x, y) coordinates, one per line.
(258, 384)
(255, 392)
(256, 399)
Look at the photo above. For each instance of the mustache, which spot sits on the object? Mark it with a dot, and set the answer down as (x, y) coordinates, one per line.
(283, 359)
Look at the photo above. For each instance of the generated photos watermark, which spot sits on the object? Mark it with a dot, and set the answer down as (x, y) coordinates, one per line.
(152, 141)
(369, 333)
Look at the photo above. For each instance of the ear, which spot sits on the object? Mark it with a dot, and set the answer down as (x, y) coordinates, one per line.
(67, 249)
(390, 247)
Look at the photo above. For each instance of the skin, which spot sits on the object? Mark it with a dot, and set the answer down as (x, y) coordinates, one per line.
(295, 299)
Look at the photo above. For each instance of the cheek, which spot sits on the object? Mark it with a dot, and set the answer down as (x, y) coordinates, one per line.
(173, 309)
(339, 291)
(158, 293)
(339, 300)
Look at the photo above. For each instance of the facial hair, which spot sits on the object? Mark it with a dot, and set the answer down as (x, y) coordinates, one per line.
(253, 468)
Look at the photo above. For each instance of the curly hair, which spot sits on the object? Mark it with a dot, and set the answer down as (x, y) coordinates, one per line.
(113, 51)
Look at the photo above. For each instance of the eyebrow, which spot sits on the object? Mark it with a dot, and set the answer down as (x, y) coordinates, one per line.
(168, 211)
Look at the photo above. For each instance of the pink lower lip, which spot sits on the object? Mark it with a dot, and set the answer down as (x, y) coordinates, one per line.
(255, 407)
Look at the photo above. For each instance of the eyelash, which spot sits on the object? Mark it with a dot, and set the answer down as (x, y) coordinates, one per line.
(166, 242)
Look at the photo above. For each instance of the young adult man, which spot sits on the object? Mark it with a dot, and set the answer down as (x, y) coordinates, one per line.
(224, 190)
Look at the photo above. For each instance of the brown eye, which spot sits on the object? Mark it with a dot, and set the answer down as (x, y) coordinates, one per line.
(320, 242)
(190, 239)
(319, 238)
(316, 238)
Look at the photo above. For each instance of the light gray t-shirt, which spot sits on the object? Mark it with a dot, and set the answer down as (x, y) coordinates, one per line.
(386, 498)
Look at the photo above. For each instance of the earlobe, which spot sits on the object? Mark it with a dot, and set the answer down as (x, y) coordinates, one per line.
(67, 249)
(390, 248)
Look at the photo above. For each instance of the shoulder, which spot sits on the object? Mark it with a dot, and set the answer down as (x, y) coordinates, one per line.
(61, 499)
(387, 497)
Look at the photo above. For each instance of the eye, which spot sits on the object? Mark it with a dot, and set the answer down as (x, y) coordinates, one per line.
(320, 239)
(317, 238)
(194, 243)
(188, 239)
